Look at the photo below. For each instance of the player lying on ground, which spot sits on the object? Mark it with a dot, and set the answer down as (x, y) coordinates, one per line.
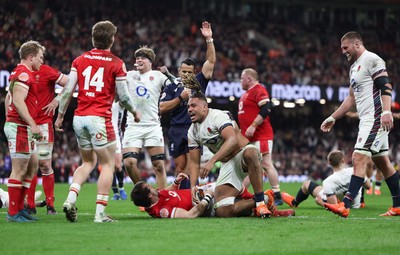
(175, 203)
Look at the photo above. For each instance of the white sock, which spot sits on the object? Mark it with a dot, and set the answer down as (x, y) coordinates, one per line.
(73, 192)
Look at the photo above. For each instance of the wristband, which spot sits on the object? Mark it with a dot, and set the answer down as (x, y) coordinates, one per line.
(181, 98)
(254, 124)
(330, 119)
(386, 112)
(177, 183)
(207, 198)
(209, 40)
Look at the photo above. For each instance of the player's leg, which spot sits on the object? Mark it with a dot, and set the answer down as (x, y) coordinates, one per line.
(131, 156)
(30, 196)
(20, 153)
(378, 182)
(105, 156)
(118, 168)
(225, 205)
(251, 164)
(45, 150)
(369, 172)
(157, 159)
(273, 177)
(382, 162)
(178, 149)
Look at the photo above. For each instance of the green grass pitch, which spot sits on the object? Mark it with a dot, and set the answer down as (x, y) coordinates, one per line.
(312, 231)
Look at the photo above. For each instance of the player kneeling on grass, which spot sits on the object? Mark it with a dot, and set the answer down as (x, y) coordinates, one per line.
(333, 187)
(175, 203)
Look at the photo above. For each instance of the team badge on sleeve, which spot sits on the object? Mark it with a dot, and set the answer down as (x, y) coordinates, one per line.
(23, 77)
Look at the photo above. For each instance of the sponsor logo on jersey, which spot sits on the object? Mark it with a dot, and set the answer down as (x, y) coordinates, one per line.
(99, 136)
(358, 69)
(151, 78)
(209, 130)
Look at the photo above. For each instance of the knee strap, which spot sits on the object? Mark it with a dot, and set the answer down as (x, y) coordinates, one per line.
(312, 187)
(225, 202)
(134, 155)
(158, 157)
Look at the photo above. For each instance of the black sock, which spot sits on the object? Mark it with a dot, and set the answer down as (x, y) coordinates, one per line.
(378, 184)
(114, 185)
(120, 178)
(259, 197)
(300, 197)
(277, 195)
(362, 195)
(355, 185)
(394, 187)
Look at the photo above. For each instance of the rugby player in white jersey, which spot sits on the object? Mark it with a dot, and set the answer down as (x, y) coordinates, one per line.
(371, 92)
(145, 86)
(333, 187)
(218, 131)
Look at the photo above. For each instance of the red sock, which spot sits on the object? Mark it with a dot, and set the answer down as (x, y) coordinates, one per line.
(30, 194)
(48, 188)
(25, 186)
(245, 194)
(14, 193)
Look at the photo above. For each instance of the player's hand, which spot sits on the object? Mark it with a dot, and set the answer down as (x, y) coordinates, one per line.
(50, 109)
(58, 124)
(163, 69)
(250, 131)
(387, 121)
(193, 191)
(206, 29)
(186, 93)
(328, 124)
(138, 116)
(180, 177)
(206, 169)
(36, 133)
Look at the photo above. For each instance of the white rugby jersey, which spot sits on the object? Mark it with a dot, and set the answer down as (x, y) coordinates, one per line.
(208, 132)
(367, 95)
(117, 112)
(145, 90)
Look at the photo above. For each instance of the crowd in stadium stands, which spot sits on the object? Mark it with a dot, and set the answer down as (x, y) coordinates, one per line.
(281, 46)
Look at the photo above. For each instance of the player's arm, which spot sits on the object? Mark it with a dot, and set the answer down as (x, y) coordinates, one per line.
(169, 105)
(194, 165)
(50, 109)
(7, 102)
(164, 70)
(19, 95)
(346, 106)
(166, 106)
(208, 66)
(265, 110)
(126, 100)
(65, 98)
(196, 210)
(382, 82)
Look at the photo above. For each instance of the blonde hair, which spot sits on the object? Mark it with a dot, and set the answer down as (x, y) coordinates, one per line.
(30, 47)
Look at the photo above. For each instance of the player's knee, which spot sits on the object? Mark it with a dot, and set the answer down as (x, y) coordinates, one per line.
(130, 159)
(312, 186)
